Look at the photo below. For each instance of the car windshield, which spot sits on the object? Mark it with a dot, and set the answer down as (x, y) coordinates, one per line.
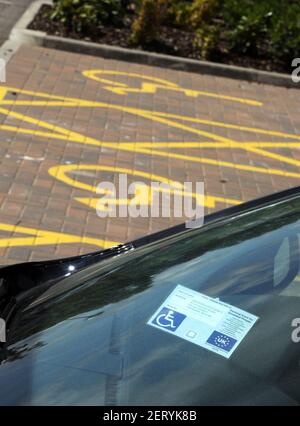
(86, 340)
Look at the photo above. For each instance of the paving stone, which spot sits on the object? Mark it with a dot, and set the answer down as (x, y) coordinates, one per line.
(229, 164)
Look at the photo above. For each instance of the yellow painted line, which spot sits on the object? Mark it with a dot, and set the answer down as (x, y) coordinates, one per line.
(207, 144)
(39, 103)
(152, 88)
(60, 173)
(85, 103)
(32, 132)
(94, 75)
(3, 91)
(48, 96)
(79, 138)
(148, 85)
(233, 144)
(170, 145)
(226, 125)
(257, 149)
(220, 163)
(229, 142)
(40, 237)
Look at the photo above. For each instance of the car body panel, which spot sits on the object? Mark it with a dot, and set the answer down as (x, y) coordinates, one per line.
(84, 339)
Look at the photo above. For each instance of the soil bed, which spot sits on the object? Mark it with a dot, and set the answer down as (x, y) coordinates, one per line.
(173, 41)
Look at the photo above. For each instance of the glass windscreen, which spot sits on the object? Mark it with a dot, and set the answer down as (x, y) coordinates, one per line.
(86, 340)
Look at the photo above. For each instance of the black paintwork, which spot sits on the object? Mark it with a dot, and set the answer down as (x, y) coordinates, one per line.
(85, 339)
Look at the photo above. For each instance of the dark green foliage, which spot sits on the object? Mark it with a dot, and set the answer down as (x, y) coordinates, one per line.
(146, 26)
(268, 29)
(263, 28)
(259, 28)
(85, 15)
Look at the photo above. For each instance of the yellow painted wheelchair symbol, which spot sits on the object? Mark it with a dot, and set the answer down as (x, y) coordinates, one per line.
(130, 84)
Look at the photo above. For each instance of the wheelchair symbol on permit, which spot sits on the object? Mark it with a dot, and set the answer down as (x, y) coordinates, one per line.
(168, 319)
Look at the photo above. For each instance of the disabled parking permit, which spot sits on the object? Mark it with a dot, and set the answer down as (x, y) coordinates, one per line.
(207, 322)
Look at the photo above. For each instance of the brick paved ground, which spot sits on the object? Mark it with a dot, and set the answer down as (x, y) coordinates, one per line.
(230, 161)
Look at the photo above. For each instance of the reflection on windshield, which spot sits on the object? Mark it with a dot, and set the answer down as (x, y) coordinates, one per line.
(91, 344)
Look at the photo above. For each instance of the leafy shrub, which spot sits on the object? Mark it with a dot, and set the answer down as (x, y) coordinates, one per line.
(146, 27)
(86, 15)
(203, 12)
(202, 18)
(285, 34)
(249, 26)
(180, 12)
(268, 28)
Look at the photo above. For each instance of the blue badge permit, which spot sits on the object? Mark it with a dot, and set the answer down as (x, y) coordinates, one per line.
(202, 320)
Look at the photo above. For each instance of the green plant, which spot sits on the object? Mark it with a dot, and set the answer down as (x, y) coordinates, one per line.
(248, 28)
(203, 12)
(85, 15)
(269, 28)
(285, 34)
(146, 26)
(180, 12)
(206, 41)
(202, 19)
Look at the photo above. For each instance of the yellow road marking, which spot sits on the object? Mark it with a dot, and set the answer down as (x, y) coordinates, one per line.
(60, 173)
(148, 85)
(40, 237)
(220, 163)
(227, 125)
(79, 138)
(155, 84)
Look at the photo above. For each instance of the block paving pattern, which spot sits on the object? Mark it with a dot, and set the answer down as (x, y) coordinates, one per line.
(240, 150)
